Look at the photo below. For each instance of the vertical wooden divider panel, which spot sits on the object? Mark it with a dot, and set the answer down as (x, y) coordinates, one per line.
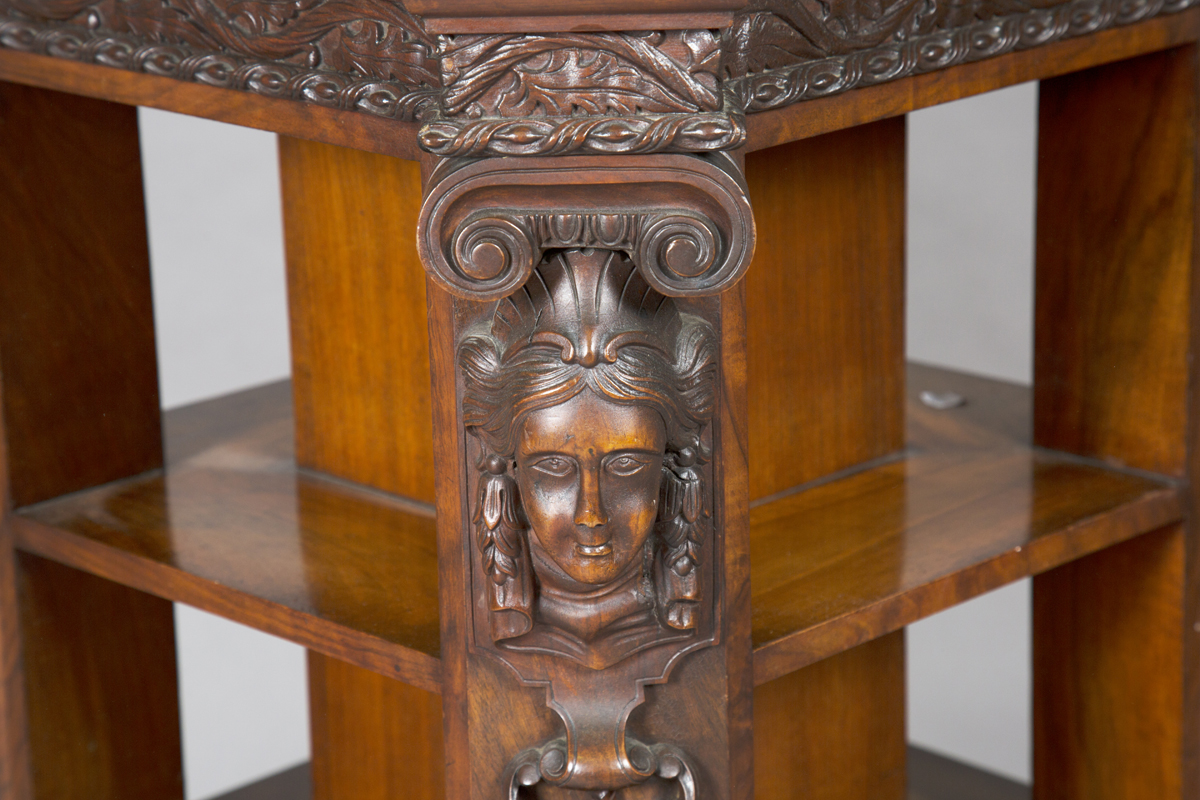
(360, 359)
(80, 407)
(399, 758)
(1114, 654)
(101, 685)
(15, 779)
(356, 291)
(825, 300)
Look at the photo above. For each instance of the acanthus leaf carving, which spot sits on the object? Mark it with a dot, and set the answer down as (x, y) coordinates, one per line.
(366, 55)
(788, 51)
(566, 74)
(558, 136)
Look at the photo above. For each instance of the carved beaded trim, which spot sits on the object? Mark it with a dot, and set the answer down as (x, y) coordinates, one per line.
(648, 92)
(556, 136)
(821, 77)
(384, 98)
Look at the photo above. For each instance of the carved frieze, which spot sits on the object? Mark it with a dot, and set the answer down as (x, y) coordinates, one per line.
(562, 93)
(361, 55)
(566, 74)
(781, 52)
(538, 94)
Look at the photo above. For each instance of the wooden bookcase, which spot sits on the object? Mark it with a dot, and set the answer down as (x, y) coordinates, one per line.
(307, 510)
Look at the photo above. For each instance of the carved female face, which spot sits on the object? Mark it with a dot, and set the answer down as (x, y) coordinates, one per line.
(589, 472)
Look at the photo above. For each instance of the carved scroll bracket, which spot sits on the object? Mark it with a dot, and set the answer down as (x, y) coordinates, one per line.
(684, 220)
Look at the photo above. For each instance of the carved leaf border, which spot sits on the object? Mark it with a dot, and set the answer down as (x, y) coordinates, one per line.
(652, 80)
(810, 79)
(372, 56)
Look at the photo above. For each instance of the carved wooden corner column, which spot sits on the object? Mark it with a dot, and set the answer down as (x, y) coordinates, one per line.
(587, 331)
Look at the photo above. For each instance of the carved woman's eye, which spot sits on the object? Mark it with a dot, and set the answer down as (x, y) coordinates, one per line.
(557, 466)
(626, 465)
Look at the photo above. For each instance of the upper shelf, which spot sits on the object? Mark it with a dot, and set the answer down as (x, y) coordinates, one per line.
(234, 528)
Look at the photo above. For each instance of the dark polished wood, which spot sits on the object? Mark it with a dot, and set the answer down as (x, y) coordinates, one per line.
(826, 369)
(203, 534)
(930, 777)
(1108, 682)
(74, 296)
(102, 692)
(895, 98)
(374, 738)
(935, 777)
(15, 778)
(360, 377)
(360, 352)
(837, 399)
(1116, 673)
(361, 131)
(75, 313)
(935, 528)
(968, 510)
(834, 730)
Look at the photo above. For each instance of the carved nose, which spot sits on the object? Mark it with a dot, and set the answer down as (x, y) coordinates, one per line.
(589, 512)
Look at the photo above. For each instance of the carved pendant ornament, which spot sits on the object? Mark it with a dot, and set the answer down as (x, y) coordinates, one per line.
(588, 371)
(589, 397)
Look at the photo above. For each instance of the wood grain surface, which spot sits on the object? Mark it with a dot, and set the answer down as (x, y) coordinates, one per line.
(452, 566)
(76, 324)
(1114, 258)
(234, 529)
(1116, 677)
(912, 537)
(360, 380)
(767, 129)
(968, 510)
(1108, 685)
(825, 305)
(832, 730)
(374, 738)
(102, 693)
(15, 777)
(360, 349)
(825, 359)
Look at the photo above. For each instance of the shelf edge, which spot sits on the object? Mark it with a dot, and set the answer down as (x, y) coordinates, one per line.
(370, 652)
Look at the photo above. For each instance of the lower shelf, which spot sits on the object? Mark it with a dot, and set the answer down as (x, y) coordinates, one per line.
(930, 777)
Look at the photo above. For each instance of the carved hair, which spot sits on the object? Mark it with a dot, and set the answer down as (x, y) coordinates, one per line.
(591, 324)
(587, 320)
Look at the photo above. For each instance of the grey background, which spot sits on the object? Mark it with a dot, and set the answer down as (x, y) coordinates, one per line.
(215, 236)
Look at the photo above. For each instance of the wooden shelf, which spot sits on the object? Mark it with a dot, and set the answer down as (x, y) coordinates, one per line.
(234, 528)
(930, 777)
(969, 508)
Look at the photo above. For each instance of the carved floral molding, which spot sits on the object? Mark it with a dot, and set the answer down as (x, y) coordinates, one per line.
(551, 94)
(788, 51)
(365, 55)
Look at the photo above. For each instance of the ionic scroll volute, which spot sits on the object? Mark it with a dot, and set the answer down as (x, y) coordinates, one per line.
(589, 389)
